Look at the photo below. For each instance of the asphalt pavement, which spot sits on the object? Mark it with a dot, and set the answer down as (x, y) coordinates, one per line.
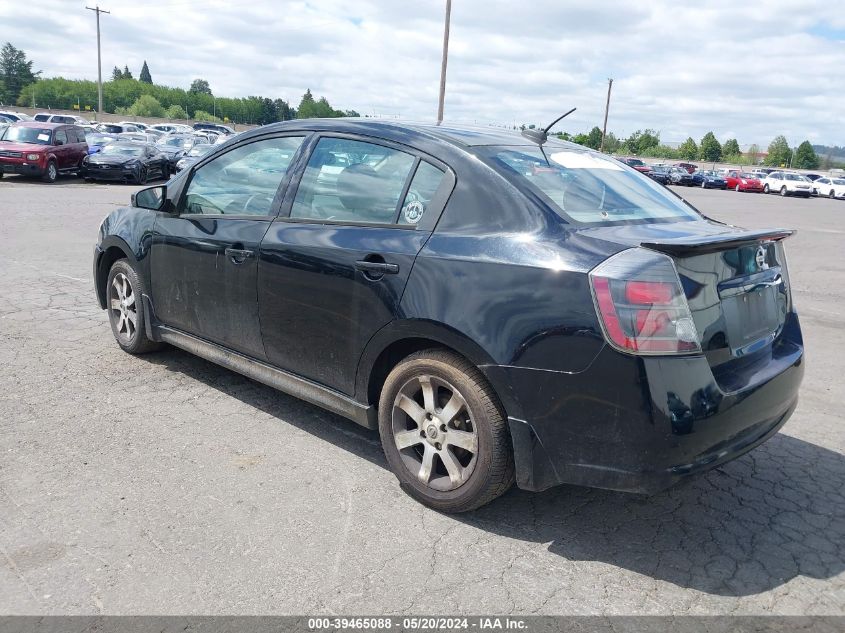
(165, 484)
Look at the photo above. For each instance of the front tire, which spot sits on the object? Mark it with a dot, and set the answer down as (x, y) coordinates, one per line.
(52, 172)
(444, 433)
(783, 191)
(126, 315)
(736, 188)
(765, 188)
(832, 194)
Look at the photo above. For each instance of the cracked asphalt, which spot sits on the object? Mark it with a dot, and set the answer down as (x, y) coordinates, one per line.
(164, 484)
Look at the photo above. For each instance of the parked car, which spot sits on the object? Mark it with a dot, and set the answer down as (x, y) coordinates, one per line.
(96, 141)
(215, 127)
(69, 119)
(680, 176)
(138, 137)
(126, 162)
(636, 163)
(193, 155)
(659, 173)
(604, 334)
(141, 126)
(117, 128)
(708, 179)
(743, 181)
(830, 187)
(45, 150)
(787, 183)
(812, 177)
(691, 168)
(168, 128)
(175, 146)
(5, 119)
(15, 116)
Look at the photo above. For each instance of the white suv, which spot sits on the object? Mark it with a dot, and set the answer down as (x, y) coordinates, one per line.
(787, 183)
(830, 187)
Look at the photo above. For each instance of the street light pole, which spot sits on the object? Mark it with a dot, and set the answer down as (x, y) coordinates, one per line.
(606, 110)
(96, 9)
(443, 62)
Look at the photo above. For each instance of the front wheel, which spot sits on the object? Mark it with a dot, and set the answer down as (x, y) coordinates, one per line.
(443, 432)
(783, 191)
(832, 194)
(736, 188)
(52, 172)
(765, 188)
(704, 184)
(126, 315)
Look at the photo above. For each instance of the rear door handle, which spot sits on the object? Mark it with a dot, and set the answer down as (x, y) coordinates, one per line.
(238, 255)
(377, 268)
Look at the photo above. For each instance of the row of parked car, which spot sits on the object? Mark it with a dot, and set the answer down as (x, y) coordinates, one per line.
(127, 151)
(761, 180)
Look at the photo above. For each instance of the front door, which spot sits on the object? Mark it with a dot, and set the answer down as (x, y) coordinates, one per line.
(204, 258)
(332, 270)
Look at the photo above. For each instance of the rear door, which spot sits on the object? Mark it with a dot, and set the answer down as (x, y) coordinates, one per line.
(334, 265)
(204, 258)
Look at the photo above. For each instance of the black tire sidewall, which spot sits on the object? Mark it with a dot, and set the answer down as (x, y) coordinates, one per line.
(139, 339)
(55, 177)
(463, 497)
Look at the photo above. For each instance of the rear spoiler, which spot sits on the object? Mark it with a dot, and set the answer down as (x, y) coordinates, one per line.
(698, 245)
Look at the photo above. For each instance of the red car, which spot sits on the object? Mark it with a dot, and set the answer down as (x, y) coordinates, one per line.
(742, 181)
(45, 150)
(688, 166)
(637, 164)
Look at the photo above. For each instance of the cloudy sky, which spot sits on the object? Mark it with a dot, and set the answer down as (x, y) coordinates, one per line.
(749, 69)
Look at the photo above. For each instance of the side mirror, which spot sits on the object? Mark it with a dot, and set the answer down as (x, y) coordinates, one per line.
(152, 198)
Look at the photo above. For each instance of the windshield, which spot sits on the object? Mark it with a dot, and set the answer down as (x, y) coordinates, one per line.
(746, 175)
(587, 187)
(838, 181)
(123, 150)
(98, 139)
(792, 177)
(199, 150)
(175, 142)
(34, 135)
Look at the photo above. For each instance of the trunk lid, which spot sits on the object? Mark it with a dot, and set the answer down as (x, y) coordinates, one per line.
(735, 280)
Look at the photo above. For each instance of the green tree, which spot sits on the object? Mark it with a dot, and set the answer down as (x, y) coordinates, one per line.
(611, 143)
(779, 152)
(283, 110)
(200, 86)
(753, 153)
(731, 148)
(127, 74)
(146, 106)
(805, 157)
(201, 115)
(145, 74)
(641, 140)
(15, 72)
(116, 74)
(688, 150)
(591, 139)
(175, 111)
(710, 149)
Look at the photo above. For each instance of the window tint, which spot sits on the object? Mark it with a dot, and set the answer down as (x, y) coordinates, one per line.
(426, 181)
(42, 117)
(242, 181)
(352, 181)
(61, 137)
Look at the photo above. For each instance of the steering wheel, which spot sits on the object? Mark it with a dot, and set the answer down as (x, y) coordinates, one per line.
(258, 196)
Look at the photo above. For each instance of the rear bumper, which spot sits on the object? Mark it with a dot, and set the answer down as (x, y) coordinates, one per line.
(640, 424)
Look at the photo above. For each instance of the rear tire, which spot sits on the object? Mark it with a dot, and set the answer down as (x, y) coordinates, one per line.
(124, 291)
(444, 433)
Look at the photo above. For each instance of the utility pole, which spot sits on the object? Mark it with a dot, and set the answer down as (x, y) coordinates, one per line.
(96, 9)
(443, 63)
(606, 110)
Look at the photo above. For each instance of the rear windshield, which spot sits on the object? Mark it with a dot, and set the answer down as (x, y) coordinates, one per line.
(588, 187)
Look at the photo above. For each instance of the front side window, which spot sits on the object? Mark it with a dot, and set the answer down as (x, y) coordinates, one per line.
(352, 181)
(242, 181)
(587, 187)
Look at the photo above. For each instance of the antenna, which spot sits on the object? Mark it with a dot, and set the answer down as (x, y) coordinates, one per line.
(542, 135)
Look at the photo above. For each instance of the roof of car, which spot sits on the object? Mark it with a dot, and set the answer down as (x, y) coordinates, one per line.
(41, 124)
(456, 134)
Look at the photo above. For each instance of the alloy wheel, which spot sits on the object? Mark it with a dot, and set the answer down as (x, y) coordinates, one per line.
(434, 432)
(123, 307)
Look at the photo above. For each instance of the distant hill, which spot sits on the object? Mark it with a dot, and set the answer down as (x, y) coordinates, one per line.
(837, 154)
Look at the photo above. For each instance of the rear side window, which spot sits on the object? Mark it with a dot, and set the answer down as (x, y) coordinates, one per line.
(425, 184)
(61, 137)
(352, 181)
(242, 181)
(587, 187)
(42, 117)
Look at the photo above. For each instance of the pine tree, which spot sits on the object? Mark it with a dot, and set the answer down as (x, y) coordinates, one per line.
(145, 74)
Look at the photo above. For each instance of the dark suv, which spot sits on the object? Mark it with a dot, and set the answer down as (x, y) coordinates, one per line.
(32, 148)
(498, 310)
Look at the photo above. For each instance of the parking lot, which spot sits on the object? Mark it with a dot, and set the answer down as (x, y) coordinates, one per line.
(164, 484)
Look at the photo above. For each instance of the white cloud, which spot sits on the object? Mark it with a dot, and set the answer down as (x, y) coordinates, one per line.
(750, 70)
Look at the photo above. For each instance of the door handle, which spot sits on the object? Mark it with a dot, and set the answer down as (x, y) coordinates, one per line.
(377, 268)
(238, 255)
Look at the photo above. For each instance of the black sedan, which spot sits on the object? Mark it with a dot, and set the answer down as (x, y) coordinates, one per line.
(500, 307)
(659, 173)
(126, 162)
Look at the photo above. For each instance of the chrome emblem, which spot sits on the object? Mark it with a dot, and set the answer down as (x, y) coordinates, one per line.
(762, 264)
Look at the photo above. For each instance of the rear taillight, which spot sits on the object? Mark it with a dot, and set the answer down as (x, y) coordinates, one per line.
(641, 305)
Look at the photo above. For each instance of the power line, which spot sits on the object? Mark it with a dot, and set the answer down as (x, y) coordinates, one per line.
(96, 9)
